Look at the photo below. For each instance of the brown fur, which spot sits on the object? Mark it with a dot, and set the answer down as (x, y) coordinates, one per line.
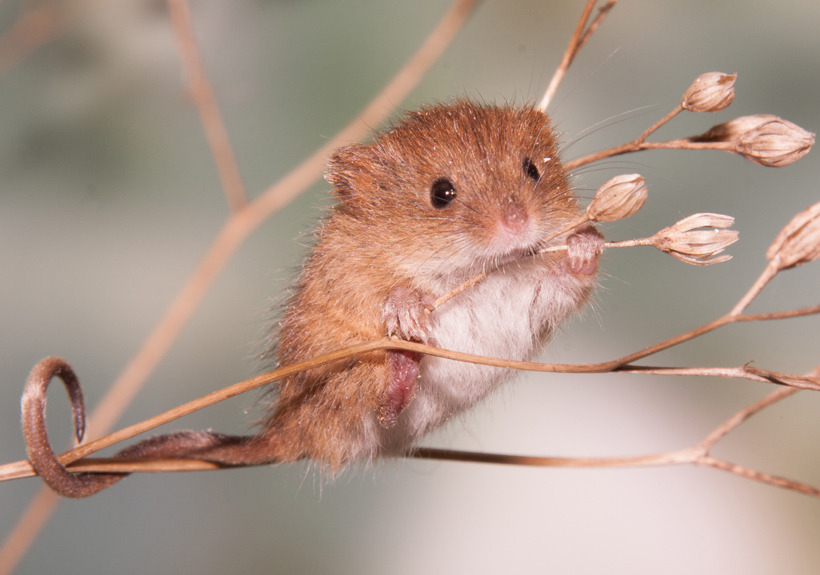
(383, 234)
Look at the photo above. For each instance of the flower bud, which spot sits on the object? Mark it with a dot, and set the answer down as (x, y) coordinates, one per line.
(710, 92)
(732, 130)
(618, 198)
(799, 242)
(764, 139)
(775, 143)
(692, 242)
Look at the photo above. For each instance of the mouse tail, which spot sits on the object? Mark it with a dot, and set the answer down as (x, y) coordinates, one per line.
(227, 450)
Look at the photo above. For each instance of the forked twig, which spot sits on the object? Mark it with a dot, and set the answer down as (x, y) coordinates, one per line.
(624, 364)
(203, 96)
(33, 29)
(582, 33)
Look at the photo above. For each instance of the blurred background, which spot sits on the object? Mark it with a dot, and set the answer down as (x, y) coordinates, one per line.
(109, 198)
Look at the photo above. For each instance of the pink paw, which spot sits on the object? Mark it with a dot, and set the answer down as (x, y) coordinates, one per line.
(405, 314)
(584, 247)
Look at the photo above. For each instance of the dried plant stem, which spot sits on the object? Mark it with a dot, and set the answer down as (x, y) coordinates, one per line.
(639, 146)
(236, 229)
(648, 241)
(748, 473)
(197, 404)
(205, 101)
(478, 277)
(28, 527)
(22, 469)
(33, 29)
(668, 458)
(738, 418)
(696, 455)
(760, 283)
(740, 372)
(623, 364)
(656, 126)
(579, 38)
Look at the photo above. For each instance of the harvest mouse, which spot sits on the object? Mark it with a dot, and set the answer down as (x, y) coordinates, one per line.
(451, 191)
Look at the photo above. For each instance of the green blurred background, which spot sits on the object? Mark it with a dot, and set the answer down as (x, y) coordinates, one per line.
(109, 198)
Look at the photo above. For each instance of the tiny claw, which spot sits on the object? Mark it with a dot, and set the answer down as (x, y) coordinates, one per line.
(406, 314)
(41, 455)
(584, 247)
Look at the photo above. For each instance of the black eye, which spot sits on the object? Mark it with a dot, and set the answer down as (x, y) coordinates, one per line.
(442, 193)
(531, 170)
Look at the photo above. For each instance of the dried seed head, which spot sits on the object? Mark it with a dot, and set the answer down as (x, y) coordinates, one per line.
(732, 130)
(775, 143)
(618, 198)
(799, 242)
(710, 92)
(764, 139)
(692, 241)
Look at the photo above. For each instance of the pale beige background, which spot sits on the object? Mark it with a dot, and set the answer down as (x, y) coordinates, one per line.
(109, 197)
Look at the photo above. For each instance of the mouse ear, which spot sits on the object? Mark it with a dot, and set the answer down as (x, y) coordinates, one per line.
(349, 170)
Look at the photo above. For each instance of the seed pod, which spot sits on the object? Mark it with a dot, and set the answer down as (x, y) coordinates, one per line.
(619, 198)
(763, 139)
(710, 92)
(775, 143)
(690, 240)
(799, 242)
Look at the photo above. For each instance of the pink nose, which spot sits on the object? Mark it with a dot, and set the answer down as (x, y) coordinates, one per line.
(514, 217)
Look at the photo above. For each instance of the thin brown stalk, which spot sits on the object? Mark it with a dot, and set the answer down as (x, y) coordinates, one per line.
(579, 37)
(788, 314)
(235, 230)
(603, 11)
(754, 474)
(738, 418)
(28, 527)
(480, 276)
(697, 455)
(203, 96)
(656, 126)
(624, 364)
(733, 316)
(740, 372)
(761, 282)
(648, 241)
(33, 29)
(668, 458)
(21, 469)
(639, 146)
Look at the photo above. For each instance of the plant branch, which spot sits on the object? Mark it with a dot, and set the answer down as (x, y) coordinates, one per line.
(748, 473)
(697, 455)
(579, 38)
(205, 100)
(738, 418)
(33, 29)
(637, 145)
(22, 469)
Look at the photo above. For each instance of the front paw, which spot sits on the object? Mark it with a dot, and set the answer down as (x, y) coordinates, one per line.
(406, 314)
(583, 249)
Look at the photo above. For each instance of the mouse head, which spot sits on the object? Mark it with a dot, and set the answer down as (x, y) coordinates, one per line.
(473, 181)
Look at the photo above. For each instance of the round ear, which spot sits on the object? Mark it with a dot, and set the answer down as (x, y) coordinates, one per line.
(350, 171)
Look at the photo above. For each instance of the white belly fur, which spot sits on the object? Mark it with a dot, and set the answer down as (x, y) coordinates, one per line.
(510, 314)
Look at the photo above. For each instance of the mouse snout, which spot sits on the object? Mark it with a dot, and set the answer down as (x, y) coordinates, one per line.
(514, 216)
